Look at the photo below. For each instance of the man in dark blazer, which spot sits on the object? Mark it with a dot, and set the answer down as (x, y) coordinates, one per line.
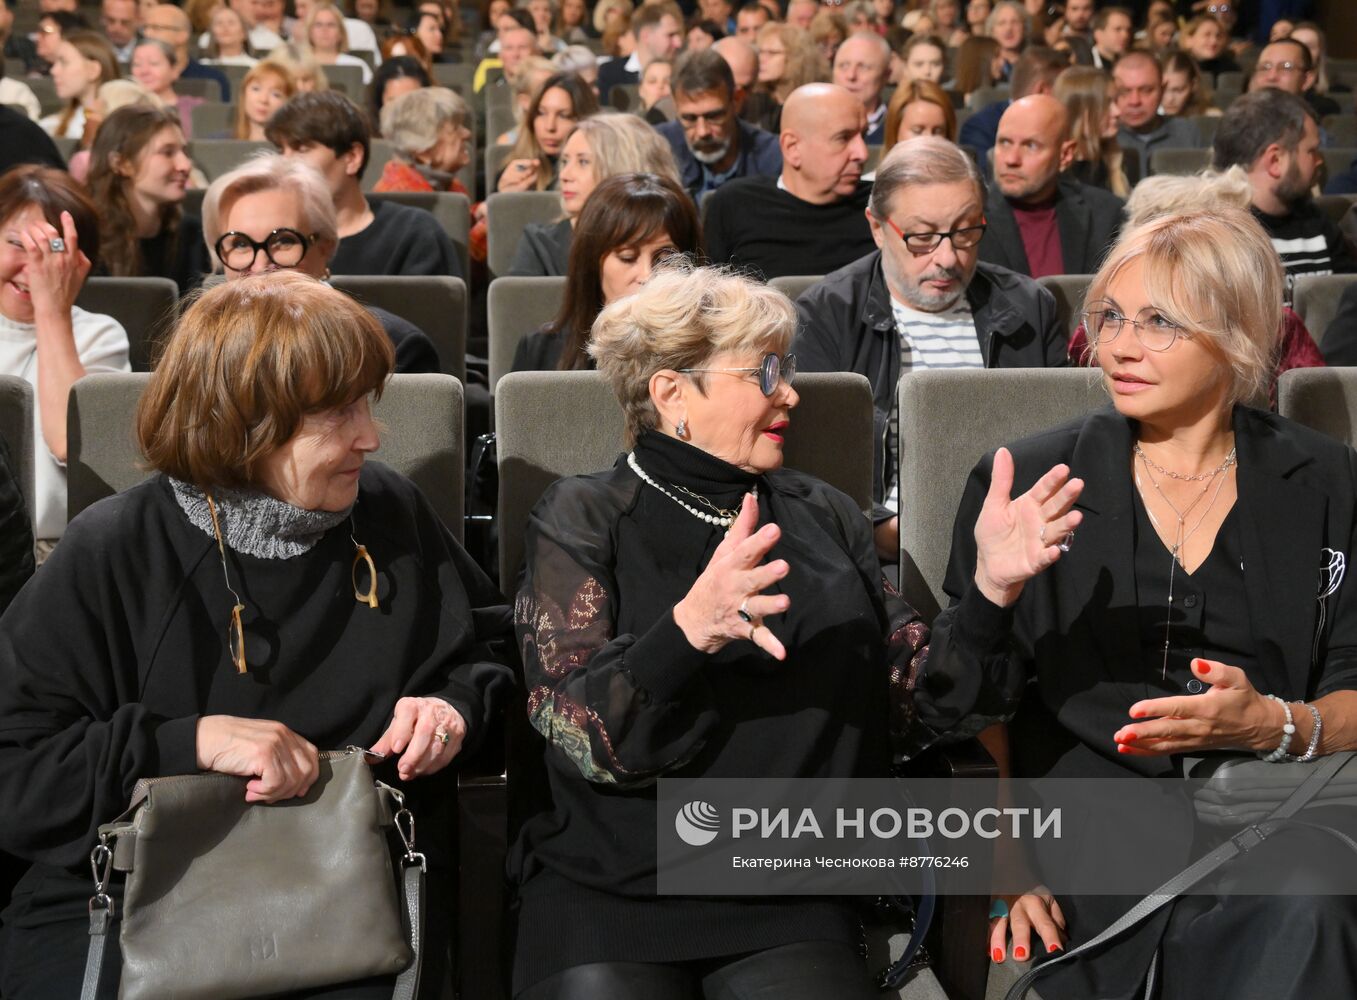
(658, 30)
(1039, 222)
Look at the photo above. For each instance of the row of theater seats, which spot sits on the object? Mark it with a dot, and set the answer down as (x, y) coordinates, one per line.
(554, 424)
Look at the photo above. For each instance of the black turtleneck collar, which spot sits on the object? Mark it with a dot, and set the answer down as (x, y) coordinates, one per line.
(669, 460)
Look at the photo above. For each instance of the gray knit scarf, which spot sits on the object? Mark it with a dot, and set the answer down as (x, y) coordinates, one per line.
(255, 523)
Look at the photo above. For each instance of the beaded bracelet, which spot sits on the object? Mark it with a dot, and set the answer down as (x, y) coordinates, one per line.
(1311, 751)
(1288, 730)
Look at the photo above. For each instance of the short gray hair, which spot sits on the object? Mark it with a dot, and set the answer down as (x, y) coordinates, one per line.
(273, 172)
(413, 121)
(925, 159)
(1254, 122)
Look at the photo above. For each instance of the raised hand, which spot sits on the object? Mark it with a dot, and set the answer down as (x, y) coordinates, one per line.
(55, 277)
(710, 613)
(1017, 538)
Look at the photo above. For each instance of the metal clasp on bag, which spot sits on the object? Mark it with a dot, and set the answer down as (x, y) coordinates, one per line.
(102, 855)
(404, 821)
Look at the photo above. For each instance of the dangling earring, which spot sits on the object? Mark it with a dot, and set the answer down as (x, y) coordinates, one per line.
(682, 429)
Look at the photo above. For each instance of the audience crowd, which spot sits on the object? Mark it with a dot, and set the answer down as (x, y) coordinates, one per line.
(933, 177)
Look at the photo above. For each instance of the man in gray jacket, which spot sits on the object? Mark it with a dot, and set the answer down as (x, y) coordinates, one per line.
(1139, 81)
(923, 299)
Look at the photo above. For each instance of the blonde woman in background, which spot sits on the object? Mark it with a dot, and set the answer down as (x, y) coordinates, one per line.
(328, 40)
(1087, 94)
(602, 146)
(788, 58)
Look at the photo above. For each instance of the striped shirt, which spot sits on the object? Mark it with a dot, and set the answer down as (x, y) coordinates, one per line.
(944, 339)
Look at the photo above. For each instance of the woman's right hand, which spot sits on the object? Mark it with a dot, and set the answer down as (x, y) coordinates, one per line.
(710, 613)
(1034, 910)
(519, 175)
(1017, 538)
(55, 277)
(280, 764)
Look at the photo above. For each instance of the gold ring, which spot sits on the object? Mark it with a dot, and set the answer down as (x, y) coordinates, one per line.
(441, 736)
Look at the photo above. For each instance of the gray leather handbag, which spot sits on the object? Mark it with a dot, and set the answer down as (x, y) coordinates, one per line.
(226, 899)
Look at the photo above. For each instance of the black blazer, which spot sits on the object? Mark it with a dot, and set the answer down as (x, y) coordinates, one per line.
(1074, 629)
(1088, 218)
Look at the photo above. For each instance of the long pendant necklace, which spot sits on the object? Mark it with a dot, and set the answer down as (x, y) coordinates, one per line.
(1181, 534)
(718, 515)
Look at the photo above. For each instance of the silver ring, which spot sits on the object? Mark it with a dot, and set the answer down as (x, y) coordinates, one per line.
(57, 245)
(441, 736)
(1065, 543)
(743, 611)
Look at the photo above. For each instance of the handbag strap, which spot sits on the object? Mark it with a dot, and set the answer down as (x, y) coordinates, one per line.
(1242, 842)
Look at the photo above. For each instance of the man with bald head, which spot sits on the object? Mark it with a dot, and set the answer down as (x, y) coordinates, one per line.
(811, 219)
(1041, 222)
(171, 25)
(744, 66)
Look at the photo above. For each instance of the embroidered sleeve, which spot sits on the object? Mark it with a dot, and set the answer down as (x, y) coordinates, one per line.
(621, 709)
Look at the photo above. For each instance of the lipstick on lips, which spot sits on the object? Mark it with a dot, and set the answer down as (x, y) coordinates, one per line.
(774, 431)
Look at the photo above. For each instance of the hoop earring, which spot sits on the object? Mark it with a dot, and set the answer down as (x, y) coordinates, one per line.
(682, 429)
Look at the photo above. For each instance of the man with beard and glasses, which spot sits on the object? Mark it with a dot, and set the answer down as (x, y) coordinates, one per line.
(1042, 221)
(1274, 137)
(810, 219)
(711, 145)
(923, 299)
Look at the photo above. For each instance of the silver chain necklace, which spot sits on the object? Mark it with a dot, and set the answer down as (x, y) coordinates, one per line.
(1181, 535)
(718, 516)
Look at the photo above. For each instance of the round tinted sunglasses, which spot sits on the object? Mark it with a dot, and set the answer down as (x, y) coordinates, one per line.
(772, 370)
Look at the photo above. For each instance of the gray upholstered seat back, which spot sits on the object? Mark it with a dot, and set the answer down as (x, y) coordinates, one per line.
(1315, 300)
(146, 308)
(948, 421)
(516, 307)
(421, 417)
(792, 285)
(1322, 398)
(220, 156)
(16, 430)
(507, 214)
(555, 424)
(1069, 291)
(1172, 160)
(434, 303)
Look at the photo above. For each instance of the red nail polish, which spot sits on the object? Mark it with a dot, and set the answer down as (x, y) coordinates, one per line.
(1020, 954)
(997, 955)
(1200, 666)
(1121, 748)
(1052, 948)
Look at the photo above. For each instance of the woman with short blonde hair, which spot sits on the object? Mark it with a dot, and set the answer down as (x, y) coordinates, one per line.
(1167, 616)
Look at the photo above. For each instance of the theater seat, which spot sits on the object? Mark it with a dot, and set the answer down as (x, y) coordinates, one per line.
(213, 120)
(507, 214)
(949, 419)
(1324, 399)
(1315, 300)
(1069, 291)
(422, 417)
(219, 156)
(1168, 160)
(434, 303)
(792, 285)
(516, 307)
(16, 430)
(146, 307)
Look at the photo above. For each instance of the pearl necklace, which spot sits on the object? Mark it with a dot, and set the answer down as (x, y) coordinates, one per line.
(722, 517)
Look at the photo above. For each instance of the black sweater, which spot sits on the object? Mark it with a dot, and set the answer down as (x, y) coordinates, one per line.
(752, 223)
(624, 699)
(400, 239)
(113, 652)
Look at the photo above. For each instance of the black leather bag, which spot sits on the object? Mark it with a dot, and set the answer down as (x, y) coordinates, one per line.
(225, 898)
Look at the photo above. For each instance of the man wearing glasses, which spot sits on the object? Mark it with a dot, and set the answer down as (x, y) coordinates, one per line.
(1287, 65)
(923, 299)
(710, 144)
